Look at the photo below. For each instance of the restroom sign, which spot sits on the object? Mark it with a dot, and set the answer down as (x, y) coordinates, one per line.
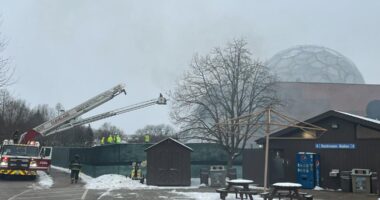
(335, 146)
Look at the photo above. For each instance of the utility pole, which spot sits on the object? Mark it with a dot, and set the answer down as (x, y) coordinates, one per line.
(267, 132)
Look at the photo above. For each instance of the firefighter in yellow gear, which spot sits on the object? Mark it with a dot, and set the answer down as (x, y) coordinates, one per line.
(110, 139)
(117, 139)
(136, 173)
(102, 140)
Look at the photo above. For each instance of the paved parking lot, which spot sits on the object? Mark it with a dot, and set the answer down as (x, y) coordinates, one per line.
(20, 189)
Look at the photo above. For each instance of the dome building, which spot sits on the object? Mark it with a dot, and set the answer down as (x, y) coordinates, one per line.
(310, 63)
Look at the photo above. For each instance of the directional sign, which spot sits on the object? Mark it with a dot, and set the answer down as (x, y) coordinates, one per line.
(335, 146)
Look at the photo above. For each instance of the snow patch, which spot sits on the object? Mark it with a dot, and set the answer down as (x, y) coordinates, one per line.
(115, 181)
(287, 184)
(240, 181)
(44, 180)
(318, 188)
(83, 177)
(60, 169)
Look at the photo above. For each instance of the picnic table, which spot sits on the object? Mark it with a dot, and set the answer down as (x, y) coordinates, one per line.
(239, 182)
(237, 186)
(287, 190)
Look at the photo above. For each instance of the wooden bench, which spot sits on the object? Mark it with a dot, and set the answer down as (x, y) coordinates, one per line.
(267, 195)
(224, 192)
(284, 194)
(264, 195)
(308, 197)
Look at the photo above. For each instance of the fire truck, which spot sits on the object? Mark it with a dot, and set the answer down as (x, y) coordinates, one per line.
(24, 159)
(25, 156)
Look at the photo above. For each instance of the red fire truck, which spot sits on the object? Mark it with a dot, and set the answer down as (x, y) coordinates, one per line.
(24, 159)
(26, 156)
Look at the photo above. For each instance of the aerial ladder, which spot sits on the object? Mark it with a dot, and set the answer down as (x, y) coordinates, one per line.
(69, 119)
(159, 101)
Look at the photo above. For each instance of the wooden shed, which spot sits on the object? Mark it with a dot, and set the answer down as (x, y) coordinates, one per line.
(168, 163)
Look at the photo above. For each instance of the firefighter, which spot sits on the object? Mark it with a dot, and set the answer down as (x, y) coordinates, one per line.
(136, 171)
(75, 167)
(102, 140)
(110, 139)
(117, 139)
(16, 137)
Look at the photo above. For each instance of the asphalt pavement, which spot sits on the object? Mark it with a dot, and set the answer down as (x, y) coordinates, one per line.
(62, 189)
(22, 189)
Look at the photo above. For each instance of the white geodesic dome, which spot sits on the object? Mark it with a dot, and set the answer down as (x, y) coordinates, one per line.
(309, 63)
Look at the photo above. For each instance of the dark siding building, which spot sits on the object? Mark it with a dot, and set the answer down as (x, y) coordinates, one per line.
(169, 163)
(350, 141)
(302, 100)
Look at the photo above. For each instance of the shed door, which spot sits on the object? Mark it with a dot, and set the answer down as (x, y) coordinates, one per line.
(170, 170)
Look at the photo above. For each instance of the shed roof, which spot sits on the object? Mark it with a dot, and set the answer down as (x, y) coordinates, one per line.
(172, 139)
(372, 123)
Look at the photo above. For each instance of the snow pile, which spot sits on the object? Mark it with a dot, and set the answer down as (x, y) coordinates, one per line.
(61, 169)
(115, 181)
(44, 180)
(83, 177)
(318, 188)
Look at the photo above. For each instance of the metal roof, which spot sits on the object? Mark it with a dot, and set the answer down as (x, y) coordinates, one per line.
(375, 124)
(172, 139)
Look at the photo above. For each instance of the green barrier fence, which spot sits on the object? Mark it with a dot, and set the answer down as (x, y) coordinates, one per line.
(118, 158)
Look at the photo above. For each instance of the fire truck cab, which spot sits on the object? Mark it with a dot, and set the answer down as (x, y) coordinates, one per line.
(24, 159)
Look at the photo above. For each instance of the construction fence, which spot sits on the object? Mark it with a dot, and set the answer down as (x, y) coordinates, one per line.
(118, 158)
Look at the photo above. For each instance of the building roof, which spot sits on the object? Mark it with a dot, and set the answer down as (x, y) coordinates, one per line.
(372, 123)
(169, 138)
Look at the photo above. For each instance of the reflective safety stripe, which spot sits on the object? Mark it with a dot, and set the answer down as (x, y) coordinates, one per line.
(18, 172)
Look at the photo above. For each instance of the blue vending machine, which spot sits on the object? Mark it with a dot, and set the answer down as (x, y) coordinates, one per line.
(308, 169)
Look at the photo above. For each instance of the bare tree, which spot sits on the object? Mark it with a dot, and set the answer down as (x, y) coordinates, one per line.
(6, 72)
(156, 133)
(225, 84)
(15, 115)
(107, 129)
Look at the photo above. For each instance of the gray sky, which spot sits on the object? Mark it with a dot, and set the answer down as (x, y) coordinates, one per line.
(70, 50)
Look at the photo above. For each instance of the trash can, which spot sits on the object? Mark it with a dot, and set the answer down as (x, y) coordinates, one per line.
(346, 181)
(374, 183)
(361, 180)
(232, 173)
(217, 176)
(204, 176)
